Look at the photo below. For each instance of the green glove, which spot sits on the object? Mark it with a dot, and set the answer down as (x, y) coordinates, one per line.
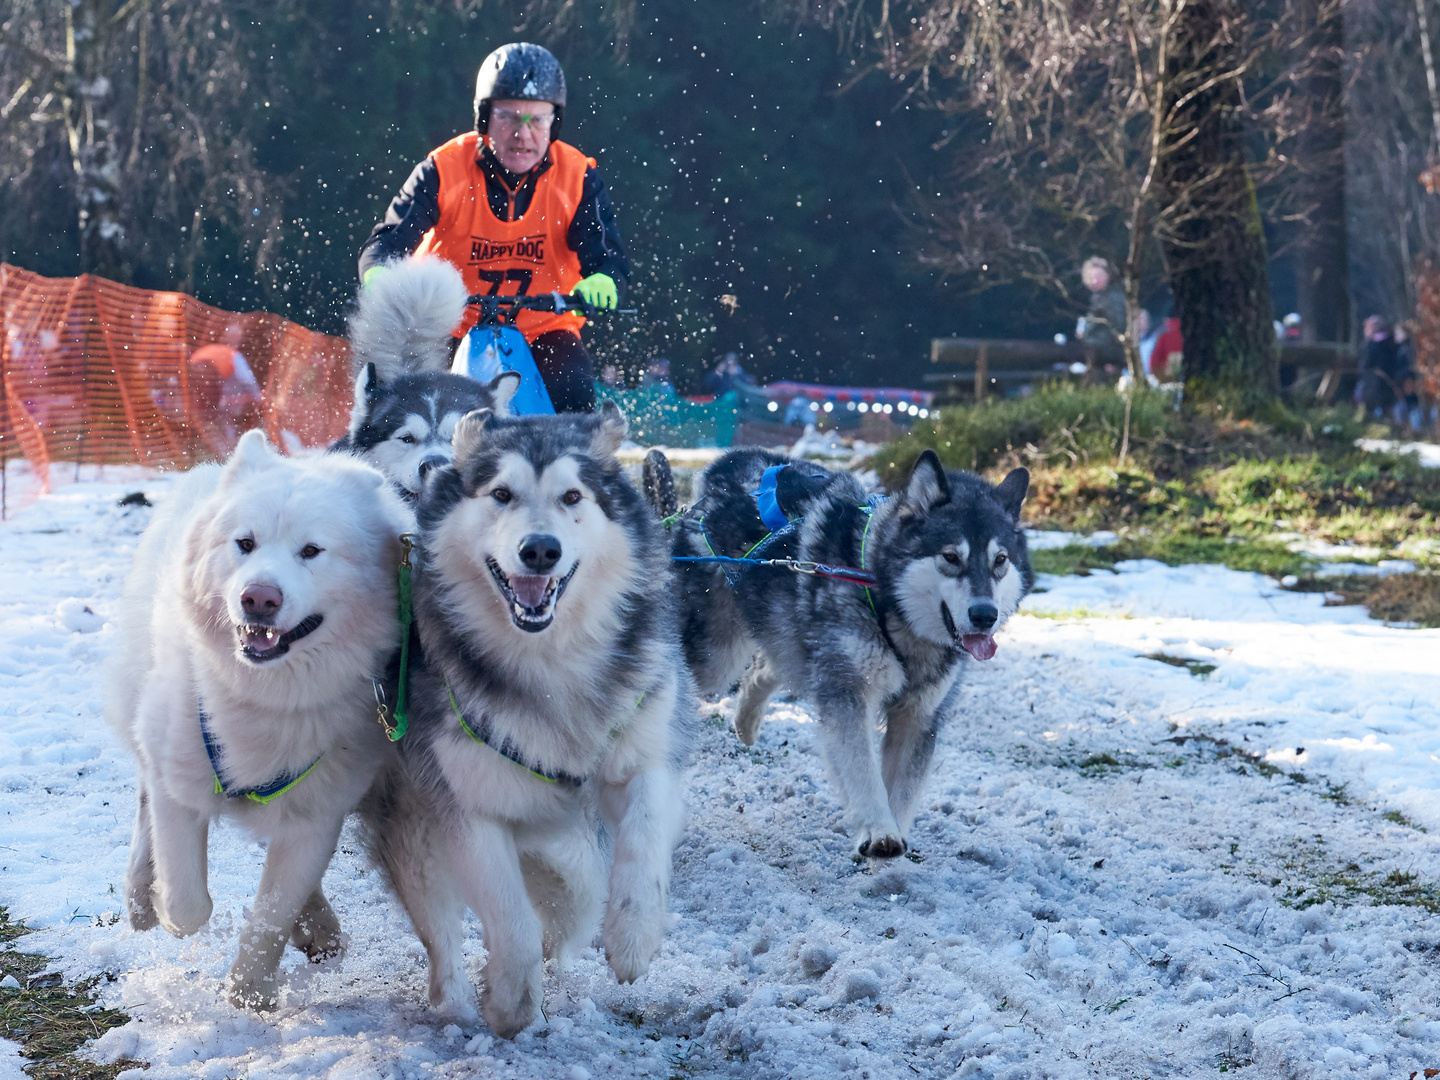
(371, 274)
(599, 291)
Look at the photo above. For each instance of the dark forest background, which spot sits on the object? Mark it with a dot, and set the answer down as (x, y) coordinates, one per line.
(764, 168)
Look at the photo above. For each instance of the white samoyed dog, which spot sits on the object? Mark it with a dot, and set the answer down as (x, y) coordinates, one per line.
(261, 606)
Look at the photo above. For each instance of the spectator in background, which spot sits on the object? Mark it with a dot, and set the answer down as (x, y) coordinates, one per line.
(1168, 352)
(1407, 409)
(728, 375)
(1379, 381)
(1148, 334)
(1104, 322)
(224, 396)
(657, 375)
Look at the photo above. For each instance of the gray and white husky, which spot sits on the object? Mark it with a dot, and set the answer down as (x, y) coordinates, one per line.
(406, 401)
(552, 697)
(261, 604)
(950, 565)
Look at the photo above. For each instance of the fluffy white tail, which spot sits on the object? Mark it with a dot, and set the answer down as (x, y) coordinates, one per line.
(406, 315)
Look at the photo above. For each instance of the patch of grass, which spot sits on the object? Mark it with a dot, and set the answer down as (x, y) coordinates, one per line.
(1063, 423)
(49, 1020)
(1229, 1059)
(1339, 794)
(9, 929)
(1396, 598)
(1075, 613)
(1195, 667)
(1265, 768)
(1397, 818)
(1255, 556)
(1097, 766)
(1176, 549)
(1072, 559)
(1313, 878)
(1411, 598)
(1195, 488)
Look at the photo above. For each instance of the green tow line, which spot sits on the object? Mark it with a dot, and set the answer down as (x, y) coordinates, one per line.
(395, 729)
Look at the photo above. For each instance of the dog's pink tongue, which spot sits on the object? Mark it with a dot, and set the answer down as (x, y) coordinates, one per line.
(261, 639)
(530, 589)
(980, 646)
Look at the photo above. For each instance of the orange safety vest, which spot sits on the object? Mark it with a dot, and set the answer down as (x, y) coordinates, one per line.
(528, 256)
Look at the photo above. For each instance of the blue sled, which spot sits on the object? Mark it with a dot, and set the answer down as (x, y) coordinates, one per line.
(486, 351)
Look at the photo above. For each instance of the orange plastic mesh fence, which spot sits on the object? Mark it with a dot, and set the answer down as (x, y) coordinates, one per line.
(99, 372)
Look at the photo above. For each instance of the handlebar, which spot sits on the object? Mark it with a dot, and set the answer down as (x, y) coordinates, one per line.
(504, 309)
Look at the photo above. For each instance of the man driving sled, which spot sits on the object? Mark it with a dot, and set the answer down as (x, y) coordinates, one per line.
(517, 211)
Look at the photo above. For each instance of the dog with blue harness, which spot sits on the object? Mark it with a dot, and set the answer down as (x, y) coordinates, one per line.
(868, 607)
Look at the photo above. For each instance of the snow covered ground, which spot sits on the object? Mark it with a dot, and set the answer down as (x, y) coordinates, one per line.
(1428, 453)
(1122, 869)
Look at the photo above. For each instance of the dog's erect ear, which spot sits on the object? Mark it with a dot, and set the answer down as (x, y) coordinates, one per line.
(502, 388)
(927, 486)
(1011, 491)
(367, 392)
(609, 431)
(794, 489)
(470, 433)
(251, 452)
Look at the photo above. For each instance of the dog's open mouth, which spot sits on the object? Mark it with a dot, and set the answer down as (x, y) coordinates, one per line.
(980, 646)
(532, 597)
(260, 644)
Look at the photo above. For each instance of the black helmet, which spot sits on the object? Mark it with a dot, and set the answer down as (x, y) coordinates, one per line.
(519, 71)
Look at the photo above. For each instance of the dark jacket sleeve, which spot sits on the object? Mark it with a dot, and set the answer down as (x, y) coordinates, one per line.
(594, 234)
(412, 214)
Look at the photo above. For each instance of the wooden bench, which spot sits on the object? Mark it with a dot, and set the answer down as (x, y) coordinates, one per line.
(987, 364)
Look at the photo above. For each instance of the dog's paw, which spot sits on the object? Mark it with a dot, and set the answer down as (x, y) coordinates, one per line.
(253, 991)
(141, 910)
(317, 934)
(454, 1004)
(879, 844)
(512, 998)
(631, 937)
(747, 724)
(183, 915)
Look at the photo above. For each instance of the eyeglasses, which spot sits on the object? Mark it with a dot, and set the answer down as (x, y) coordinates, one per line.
(511, 119)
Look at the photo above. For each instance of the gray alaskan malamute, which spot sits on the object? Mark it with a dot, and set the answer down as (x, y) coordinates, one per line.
(950, 566)
(407, 402)
(261, 606)
(552, 696)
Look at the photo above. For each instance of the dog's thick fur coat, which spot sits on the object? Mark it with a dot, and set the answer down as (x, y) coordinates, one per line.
(951, 566)
(234, 568)
(407, 402)
(545, 608)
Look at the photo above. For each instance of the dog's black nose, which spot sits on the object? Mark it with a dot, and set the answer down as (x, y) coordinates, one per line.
(983, 614)
(539, 552)
(431, 463)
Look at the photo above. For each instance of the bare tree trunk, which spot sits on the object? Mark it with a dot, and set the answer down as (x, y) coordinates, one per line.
(1430, 82)
(1213, 240)
(1322, 262)
(91, 131)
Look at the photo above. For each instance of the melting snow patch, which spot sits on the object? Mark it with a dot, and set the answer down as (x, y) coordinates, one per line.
(1369, 742)
(1049, 539)
(1427, 453)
